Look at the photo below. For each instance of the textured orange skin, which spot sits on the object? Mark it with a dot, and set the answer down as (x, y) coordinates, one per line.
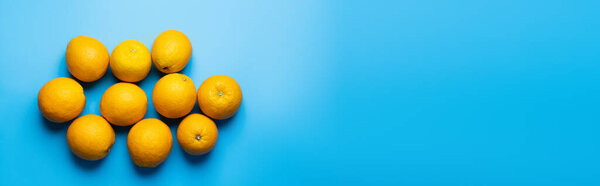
(130, 61)
(174, 95)
(61, 99)
(87, 58)
(90, 137)
(171, 51)
(219, 106)
(149, 142)
(197, 134)
(124, 104)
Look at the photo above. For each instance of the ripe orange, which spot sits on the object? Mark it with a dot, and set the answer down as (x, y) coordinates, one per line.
(219, 97)
(174, 95)
(130, 61)
(87, 58)
(171, 51)
(61, 99)
(124, 104)
(90, 137)
(197, 134)
(149, 142)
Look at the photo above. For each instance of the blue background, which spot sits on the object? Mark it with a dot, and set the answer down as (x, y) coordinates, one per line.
(415, 92)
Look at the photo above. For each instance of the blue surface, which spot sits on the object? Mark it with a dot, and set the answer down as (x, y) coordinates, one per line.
(416, 92)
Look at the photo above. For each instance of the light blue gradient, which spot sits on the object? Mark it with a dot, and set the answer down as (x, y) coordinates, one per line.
(335, 92)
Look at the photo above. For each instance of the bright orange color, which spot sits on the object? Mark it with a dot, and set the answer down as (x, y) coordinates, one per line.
(174, 95)
(130, 61)
(219, 97)
(87, 58)
(90, 137)
(61, 99)
(171, 51)
(149, 142)
(197, 134)
(123, 104)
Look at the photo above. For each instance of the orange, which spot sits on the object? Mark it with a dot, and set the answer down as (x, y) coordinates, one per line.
(87, 58)
(197, 134)
(123, 104)
(171, 51)
(61, 99)
(174, 95)
(130, 61)
(90, 137)
(149, 142)
(219, 97)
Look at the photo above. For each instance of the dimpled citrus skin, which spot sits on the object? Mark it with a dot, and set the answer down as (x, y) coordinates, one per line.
(149, 142)
(130, 61)
(197, 134)
(174, 95)
(61, 99)
(90, 137)
(219, 97)
(124, 104)
(87, 58)
(171, 51)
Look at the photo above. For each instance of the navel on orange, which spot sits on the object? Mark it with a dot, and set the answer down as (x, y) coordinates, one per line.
(219, 97)
(197, 134)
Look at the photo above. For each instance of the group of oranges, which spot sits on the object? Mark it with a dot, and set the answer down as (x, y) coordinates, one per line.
(149, 141)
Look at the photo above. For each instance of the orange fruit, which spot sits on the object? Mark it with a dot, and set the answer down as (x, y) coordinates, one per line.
(171, 51)
(90, 137)
(219, 97)
(61, 99)
(174, 95)
(87, 58)
(197, 134)
(149, 142)
(124, 104)
(130, 61)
